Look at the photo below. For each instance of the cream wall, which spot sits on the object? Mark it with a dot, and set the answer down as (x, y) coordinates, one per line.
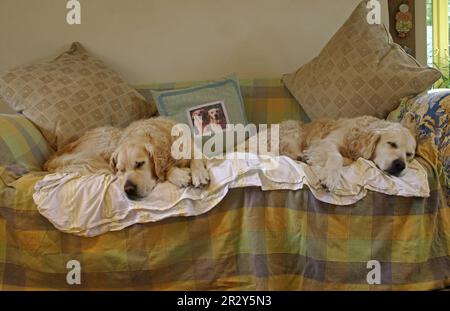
(421, 31)
(173, 40)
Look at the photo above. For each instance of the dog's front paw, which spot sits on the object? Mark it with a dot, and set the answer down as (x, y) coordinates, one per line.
(200, 177)
(300, 157)
(313, 158)
(305, 158)
(180, 177)
(331, 181)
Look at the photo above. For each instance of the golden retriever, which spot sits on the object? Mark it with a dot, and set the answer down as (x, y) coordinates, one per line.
(139, 155)
(332, 144)
(143, 157)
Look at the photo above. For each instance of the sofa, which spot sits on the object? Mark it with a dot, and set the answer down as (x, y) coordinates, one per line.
(254, 239)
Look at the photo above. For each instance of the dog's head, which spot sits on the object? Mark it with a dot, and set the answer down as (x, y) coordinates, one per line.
(138, 167)
(393, 146)
(215, 114)
(199, 113)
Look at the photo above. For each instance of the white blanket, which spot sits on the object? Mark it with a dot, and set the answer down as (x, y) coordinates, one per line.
(89, 205)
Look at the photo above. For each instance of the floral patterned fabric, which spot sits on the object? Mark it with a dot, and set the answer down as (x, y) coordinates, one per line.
(432, 111)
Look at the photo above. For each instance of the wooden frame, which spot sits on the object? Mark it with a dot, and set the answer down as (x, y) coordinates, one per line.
(410, 39)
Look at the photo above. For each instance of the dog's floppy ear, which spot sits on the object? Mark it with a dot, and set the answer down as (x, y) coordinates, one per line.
(409, 121)
(161, 161)
(363, 145)
(369, 144)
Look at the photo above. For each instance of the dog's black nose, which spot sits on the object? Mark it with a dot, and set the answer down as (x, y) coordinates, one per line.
(397, 167)
(130, 189)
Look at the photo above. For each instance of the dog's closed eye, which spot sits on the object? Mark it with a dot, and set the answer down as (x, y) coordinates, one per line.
(139, 165)
(393, 145)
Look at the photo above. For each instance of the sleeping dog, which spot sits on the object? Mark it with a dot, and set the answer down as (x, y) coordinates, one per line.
(331, 144)
(144, 157)
(139, 155)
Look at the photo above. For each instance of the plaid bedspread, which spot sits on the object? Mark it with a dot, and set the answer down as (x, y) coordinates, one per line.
(253, 240)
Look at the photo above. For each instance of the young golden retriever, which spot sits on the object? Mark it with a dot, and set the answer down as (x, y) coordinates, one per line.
(140, 155)
(332, 144)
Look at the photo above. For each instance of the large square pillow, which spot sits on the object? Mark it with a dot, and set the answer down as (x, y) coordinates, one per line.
(204, 102)
(361, 71)
(67, 96)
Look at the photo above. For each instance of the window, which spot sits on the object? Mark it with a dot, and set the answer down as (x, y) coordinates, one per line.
(429, 5)
(438, 30)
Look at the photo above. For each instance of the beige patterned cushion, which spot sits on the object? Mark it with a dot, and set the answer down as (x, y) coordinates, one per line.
(359, 72)
(71, 94)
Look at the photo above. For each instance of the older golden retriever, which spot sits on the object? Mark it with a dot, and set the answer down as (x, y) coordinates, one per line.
(331, 144)
(140, 155)
(143, 157)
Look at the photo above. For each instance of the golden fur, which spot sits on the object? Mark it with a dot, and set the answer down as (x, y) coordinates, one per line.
(331, 144)
(140, 156)
(89, 153)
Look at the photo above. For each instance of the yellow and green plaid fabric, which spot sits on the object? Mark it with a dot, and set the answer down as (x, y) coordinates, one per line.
(21, 143)
(22, 146)
(267, 101)
(253, 240)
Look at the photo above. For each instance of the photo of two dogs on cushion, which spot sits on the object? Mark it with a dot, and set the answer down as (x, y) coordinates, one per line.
(140, 155)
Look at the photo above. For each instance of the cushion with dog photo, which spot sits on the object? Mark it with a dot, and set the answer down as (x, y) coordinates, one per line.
(209, 110)
(360, 71)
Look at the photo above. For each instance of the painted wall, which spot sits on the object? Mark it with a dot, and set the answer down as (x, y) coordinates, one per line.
(150, 41)
(421, 31)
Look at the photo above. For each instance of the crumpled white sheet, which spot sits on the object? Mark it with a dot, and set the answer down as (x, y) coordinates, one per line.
(89, 205)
